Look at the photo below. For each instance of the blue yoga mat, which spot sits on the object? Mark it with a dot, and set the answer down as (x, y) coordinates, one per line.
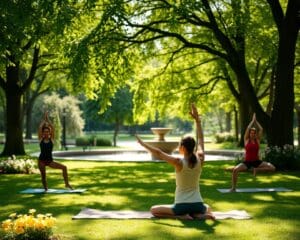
(247, 190)
(55, 191)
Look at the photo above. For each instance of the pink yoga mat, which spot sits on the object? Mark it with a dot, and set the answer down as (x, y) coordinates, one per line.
(88, 213)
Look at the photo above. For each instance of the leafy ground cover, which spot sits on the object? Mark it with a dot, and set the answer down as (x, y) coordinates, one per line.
(137, 186)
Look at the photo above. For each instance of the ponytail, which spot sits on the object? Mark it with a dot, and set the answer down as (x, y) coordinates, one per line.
(192, 160)
(189, 144)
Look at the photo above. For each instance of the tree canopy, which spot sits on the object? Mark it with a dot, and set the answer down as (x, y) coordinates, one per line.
(183, 49)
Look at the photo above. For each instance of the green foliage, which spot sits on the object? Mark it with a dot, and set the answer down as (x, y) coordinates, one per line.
(92, 141)
(287, 157)
(177, 60)
(67, 105)
(120, 110)
(225, 137)
(82, 141)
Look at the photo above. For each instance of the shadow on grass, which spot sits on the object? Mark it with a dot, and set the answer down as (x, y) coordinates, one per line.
(138, 186)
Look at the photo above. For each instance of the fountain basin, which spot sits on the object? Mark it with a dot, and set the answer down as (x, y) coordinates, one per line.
(167, 147)
(119, 155)
(160, 132)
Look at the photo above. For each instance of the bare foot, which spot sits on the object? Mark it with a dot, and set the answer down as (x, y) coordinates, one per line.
(210, 216)
(185, 217)
(204, 216)
(69, 186)
(254, 172)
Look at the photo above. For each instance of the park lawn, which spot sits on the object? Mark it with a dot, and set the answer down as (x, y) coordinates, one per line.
(137, 186)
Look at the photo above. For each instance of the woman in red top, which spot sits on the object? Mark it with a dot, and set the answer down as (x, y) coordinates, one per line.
(251, 140)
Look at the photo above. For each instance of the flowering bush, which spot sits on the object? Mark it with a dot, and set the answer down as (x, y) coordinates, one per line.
(287, 157)
(13, 165)
(28, 226)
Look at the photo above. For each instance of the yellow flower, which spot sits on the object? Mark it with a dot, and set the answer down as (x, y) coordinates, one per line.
(50, 222)
(24, 223)
(19, 223)
(29, 221)
(40, 224)
(19, 230)
(6, 225)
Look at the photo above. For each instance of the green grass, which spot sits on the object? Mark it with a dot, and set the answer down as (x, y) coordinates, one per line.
(137, 186)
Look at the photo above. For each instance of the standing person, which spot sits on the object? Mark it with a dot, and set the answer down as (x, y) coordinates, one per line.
(188, 200)
(46, 138)
(252, 139)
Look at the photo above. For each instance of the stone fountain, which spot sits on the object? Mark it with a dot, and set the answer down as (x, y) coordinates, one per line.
(161, 143)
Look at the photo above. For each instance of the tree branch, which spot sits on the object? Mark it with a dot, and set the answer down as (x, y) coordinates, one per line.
(277, 12)
(32, 70)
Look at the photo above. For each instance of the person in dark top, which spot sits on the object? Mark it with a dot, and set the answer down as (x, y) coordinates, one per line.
(252, 139)
(46, 138)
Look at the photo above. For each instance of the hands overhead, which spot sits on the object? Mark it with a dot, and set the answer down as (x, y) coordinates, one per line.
(194, 112)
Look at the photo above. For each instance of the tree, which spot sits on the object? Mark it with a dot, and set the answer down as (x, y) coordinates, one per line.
(67, 105)
(120, 111)
(25, 26)
(181, 31)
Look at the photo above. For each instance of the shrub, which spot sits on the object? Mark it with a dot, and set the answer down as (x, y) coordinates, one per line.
(224, 137)
(82, 141)
(92, 141)
(103, 142)
(287, 157)
(28, 226)
(13, 165)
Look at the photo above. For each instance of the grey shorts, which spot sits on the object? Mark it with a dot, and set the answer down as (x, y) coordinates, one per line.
(189, 208)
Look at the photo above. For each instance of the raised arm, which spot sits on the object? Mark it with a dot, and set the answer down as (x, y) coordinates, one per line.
(246, 135)
(159, 153)
(259, 128)
(199, 132)
(46, 123)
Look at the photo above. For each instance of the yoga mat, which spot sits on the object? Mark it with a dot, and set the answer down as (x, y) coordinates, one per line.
(247, 190)
(55, 191)
(88, 213)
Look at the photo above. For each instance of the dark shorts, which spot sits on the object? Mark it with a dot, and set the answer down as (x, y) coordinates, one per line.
(189, 208)
(46, 162)
(250, 164)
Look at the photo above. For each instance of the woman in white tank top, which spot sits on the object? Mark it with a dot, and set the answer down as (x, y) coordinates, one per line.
(188, 203)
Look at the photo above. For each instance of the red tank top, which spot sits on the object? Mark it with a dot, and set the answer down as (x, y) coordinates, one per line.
(251, 151)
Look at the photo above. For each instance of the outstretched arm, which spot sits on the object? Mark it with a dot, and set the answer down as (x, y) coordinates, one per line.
(159, 153)
(199, 132)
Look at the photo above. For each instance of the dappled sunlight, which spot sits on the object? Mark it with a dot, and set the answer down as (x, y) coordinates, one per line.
(265, 198)
(135, 186)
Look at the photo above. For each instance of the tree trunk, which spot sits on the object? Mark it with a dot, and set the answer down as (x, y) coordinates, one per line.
(228, 122)
(28, 115)
(245, 118)
(298, 127)
(14, 129)
(116, 132)
(282, 114)
(236, 121)
(219, 119)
